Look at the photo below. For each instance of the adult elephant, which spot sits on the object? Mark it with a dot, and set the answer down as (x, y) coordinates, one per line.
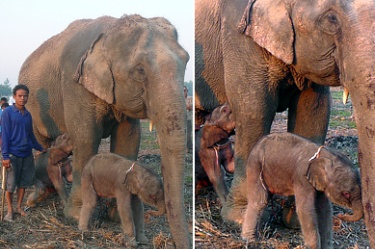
(292, 52)
(96, 79)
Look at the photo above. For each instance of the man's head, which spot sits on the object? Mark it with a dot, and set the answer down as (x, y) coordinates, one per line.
(20, 95)
(3, 100)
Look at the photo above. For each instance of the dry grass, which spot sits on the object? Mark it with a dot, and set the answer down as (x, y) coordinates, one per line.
(46, 228)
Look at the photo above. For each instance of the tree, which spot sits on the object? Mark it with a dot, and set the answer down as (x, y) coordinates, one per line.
(5, 89)
(189, 86)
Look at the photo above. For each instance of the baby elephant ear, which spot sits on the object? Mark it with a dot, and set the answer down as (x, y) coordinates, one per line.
(212, 135)
(317, 173)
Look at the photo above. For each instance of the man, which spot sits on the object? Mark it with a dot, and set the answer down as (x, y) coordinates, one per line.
(18, 142)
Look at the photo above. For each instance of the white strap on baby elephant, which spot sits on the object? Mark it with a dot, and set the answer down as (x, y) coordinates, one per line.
(316, 155)
(131, 168)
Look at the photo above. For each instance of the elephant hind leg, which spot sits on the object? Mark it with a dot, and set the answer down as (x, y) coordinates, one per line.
(257, 201)
(89, 200)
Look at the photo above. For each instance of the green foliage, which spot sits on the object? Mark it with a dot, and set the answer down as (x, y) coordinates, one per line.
(5, 89)
(148, 139)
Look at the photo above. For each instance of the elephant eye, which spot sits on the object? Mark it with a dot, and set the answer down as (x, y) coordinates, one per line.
(346, 195)
(138, 73)
(329, 23)
(224, 110)
(153, 197)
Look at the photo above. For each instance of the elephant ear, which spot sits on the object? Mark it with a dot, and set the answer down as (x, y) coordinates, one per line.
(56, 155)
(132, 180)
(269, 24)
(317, 173)
(94, 73)
(211, 135)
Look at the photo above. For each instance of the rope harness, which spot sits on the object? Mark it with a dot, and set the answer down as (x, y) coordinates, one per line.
(218, 147)
(317, 154)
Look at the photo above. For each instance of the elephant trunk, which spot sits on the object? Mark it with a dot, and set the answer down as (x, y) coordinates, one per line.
(357, 213)
(358, 77)
(161, 210)
(167, 111)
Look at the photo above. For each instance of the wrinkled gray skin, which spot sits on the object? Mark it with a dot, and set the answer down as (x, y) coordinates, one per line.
(214, 135)
(289, 55)
(97, 79)
(279, 164)
(52, 170)
(106, 175)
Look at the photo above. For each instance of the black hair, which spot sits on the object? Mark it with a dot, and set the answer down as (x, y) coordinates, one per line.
(4, 105)
(19, 87)
(4, 99)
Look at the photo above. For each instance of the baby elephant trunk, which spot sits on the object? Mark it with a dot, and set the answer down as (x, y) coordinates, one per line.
(161, 211)
(356, 216)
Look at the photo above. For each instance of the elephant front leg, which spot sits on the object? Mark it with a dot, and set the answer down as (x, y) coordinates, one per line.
(125, 138)
(138, 215)
(308, 114)
(305, 203)
(253, 120)
(324, 214)
(54, 173)
(211, 165)
(124, 204)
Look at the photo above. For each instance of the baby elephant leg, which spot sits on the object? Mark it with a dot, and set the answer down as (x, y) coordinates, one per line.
(89, 201)
(39, 194)
(124, 207)
(324, 212)
(54, 173)
(305, 204)
(138, 216)
(257, 199)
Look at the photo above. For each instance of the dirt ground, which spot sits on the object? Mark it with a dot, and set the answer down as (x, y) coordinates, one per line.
(46, 228)
(212, 232)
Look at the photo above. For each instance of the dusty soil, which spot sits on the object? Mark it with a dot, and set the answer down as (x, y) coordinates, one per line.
(212, 232)
(46, 228)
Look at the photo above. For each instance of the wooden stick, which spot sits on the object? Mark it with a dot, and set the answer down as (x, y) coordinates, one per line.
(4, 186)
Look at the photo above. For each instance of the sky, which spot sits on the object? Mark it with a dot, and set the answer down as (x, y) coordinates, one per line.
(26, 24)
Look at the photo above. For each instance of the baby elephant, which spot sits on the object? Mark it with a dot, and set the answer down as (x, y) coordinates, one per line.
(109, 175)
(286, 164)
(213, 149)
(52, 169)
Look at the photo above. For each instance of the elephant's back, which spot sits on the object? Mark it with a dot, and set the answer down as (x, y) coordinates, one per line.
(43, 72)
(107, 166)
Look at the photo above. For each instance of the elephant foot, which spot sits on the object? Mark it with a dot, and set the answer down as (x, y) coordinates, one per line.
(234, 208)
(82, 227)
(250, 244)
(233, 216)
(142, 239)
(129, 242)
(73, 206)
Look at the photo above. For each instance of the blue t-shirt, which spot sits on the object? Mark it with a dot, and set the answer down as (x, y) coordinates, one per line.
(17, 133)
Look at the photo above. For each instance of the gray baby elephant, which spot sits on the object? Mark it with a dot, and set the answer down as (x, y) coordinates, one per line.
(110, 175)
(52, 170)
(286, 164)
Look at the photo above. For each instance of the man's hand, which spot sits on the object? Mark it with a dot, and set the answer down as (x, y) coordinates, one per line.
(6, 163)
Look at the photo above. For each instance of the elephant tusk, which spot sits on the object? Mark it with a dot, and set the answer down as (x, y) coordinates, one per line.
(151, 125)
(345, 95)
